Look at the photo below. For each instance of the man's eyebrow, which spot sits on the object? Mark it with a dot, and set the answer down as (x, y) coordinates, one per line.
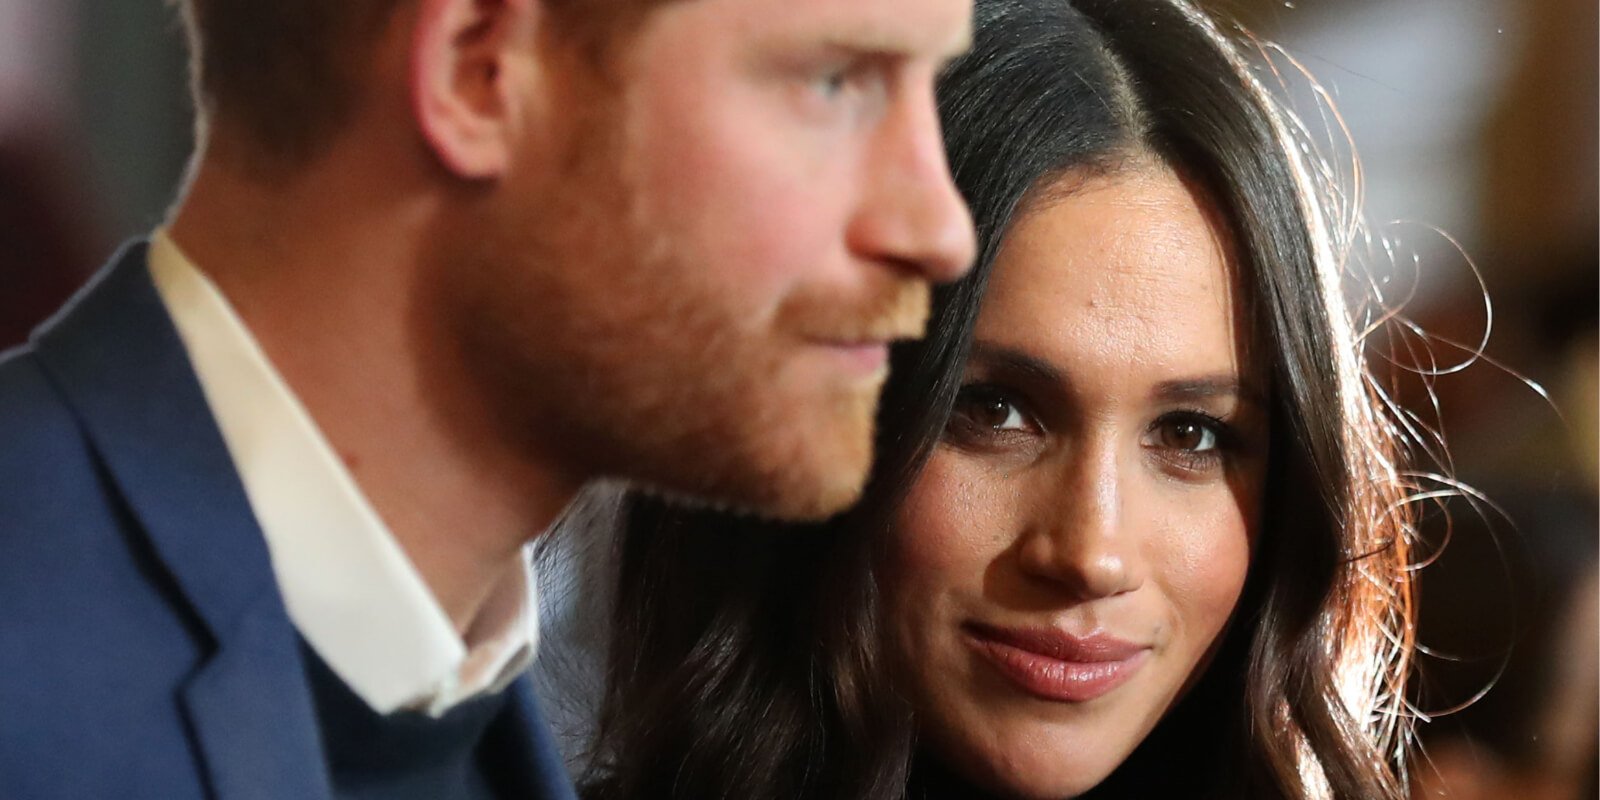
(881, 42)
(1015, 360)
(1210, 386)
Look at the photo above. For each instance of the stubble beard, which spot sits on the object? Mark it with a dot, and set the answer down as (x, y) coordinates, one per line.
(615, 354)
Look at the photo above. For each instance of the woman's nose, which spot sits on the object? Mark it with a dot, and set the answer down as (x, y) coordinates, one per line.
(1078, 537)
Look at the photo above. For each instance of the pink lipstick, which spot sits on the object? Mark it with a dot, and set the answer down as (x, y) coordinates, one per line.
(1055, 665)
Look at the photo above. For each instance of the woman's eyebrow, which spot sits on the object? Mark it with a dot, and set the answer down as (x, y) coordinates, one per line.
(1014, 360)
(1209, 386)
(1203, 387)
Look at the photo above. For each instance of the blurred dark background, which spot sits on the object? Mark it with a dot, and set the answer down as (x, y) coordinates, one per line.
(1476, 124)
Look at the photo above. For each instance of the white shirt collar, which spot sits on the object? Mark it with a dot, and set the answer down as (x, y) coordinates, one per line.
(349, 587)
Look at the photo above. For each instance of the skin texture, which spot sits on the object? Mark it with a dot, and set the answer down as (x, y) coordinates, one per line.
(764, 189)
(1080, 486)
(526, 261)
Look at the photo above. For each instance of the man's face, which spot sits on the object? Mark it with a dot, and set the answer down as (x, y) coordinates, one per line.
(692, 275)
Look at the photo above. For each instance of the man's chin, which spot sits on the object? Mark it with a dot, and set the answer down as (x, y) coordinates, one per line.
(812, 489)
(822, 477)
(830, 495)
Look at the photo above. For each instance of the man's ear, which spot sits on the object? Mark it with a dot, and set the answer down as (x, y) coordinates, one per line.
(471, 70)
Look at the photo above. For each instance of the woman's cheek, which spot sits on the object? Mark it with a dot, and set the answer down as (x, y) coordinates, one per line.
(1206, 557)
(944, 531)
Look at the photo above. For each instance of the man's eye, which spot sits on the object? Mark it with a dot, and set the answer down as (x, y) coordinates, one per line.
(833, 82)
(858, 86)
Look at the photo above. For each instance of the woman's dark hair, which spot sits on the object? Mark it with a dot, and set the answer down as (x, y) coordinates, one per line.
(746, 661)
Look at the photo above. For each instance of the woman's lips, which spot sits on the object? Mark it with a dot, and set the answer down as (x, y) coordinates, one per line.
(1054, 665)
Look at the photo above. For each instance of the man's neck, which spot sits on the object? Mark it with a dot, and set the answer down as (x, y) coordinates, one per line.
(329, 286)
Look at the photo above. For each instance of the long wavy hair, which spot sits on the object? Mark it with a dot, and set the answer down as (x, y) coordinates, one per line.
(746, 660)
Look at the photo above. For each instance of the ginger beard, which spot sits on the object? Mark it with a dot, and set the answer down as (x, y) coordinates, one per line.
(621, 334)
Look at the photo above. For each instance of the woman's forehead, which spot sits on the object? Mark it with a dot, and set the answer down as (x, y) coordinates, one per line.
(1132, 266)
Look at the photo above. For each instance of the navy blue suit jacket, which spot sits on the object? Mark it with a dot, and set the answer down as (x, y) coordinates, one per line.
(144, 648)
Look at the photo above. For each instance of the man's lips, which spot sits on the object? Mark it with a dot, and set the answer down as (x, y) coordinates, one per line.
(864, 349)
(864, 356)
(1055, 665)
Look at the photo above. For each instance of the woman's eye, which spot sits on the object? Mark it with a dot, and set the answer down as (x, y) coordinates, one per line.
(991, 409)
(988, 418)
(1186, 434)
(1193, 443)
(996, 413)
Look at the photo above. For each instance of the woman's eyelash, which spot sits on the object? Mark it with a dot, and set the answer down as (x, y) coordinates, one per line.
(988, 410)
(1194, 442)
(1223, 435)
(992, 417)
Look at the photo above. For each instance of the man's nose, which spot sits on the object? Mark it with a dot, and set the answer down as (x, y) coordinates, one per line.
(912, 215)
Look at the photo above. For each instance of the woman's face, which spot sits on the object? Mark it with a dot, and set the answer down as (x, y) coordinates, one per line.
(1076, 544)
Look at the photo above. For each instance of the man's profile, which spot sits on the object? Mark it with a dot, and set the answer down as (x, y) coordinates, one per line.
(267, 482)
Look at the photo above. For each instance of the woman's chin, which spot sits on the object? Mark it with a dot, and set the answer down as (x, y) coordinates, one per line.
(1016, 770)
(1037, 786)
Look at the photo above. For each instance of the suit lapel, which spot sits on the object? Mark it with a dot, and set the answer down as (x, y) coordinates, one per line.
(253, 715)
(116, 357)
